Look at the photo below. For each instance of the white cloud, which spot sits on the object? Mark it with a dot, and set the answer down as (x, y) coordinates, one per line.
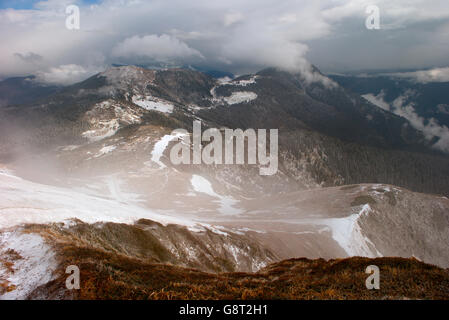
(164, 48)
(29, 57)
(231, 18)
(430, 127)
(55, 5)
(65, 74)
(426, 76)
(377, 100)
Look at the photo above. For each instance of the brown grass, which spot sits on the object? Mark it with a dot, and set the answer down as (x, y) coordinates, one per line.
(106, 275)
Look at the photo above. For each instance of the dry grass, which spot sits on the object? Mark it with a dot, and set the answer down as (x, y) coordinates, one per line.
(105, 275)
(7, 265)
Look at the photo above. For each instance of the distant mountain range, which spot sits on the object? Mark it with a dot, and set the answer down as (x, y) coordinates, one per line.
(311, 116)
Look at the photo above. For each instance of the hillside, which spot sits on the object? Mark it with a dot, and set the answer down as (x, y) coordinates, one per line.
(136, 266)
(115, 277)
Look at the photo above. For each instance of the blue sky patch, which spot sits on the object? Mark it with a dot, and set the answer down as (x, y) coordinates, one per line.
(29, 4)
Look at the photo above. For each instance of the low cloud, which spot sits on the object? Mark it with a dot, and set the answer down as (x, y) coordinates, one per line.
(164, 48)
(426, 76)
(64, 75)
(29, 57)
(231, 18)
(429, 127)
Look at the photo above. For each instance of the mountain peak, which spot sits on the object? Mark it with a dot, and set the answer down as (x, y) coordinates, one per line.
(306, 76)
(118, 74)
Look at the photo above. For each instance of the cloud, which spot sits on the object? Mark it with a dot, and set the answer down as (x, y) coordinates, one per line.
(29, 57)
(231, 18)
(236, 36)
(426, 76)
(164, 48)
(64, 74)
(430, 127)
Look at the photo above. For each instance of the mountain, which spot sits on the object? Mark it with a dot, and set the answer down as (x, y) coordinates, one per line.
(86, 172)
(287, 101)
(22, 90)
(327, 133)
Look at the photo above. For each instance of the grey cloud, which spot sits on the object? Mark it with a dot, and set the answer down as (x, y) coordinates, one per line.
(29, 57)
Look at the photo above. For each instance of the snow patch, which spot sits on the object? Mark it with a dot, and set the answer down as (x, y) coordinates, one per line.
(69, 148)
(32, 267)
(240, 97)
(227, 81)
(202, 185)
(105, 150)
(160, 146)
(244, 83)
(152, 103)
(105, 118)
(348, 234)
(105, 129)
(224, 80)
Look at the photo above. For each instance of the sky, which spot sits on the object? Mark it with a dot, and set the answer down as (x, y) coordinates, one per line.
(237, 36)
(30, 4)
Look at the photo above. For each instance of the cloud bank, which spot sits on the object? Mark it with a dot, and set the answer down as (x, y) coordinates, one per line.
(164, 48)
(425, 76)
(235, 36)
(65, 74)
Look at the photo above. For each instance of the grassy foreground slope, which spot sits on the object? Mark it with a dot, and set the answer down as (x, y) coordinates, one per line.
(110, 276)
